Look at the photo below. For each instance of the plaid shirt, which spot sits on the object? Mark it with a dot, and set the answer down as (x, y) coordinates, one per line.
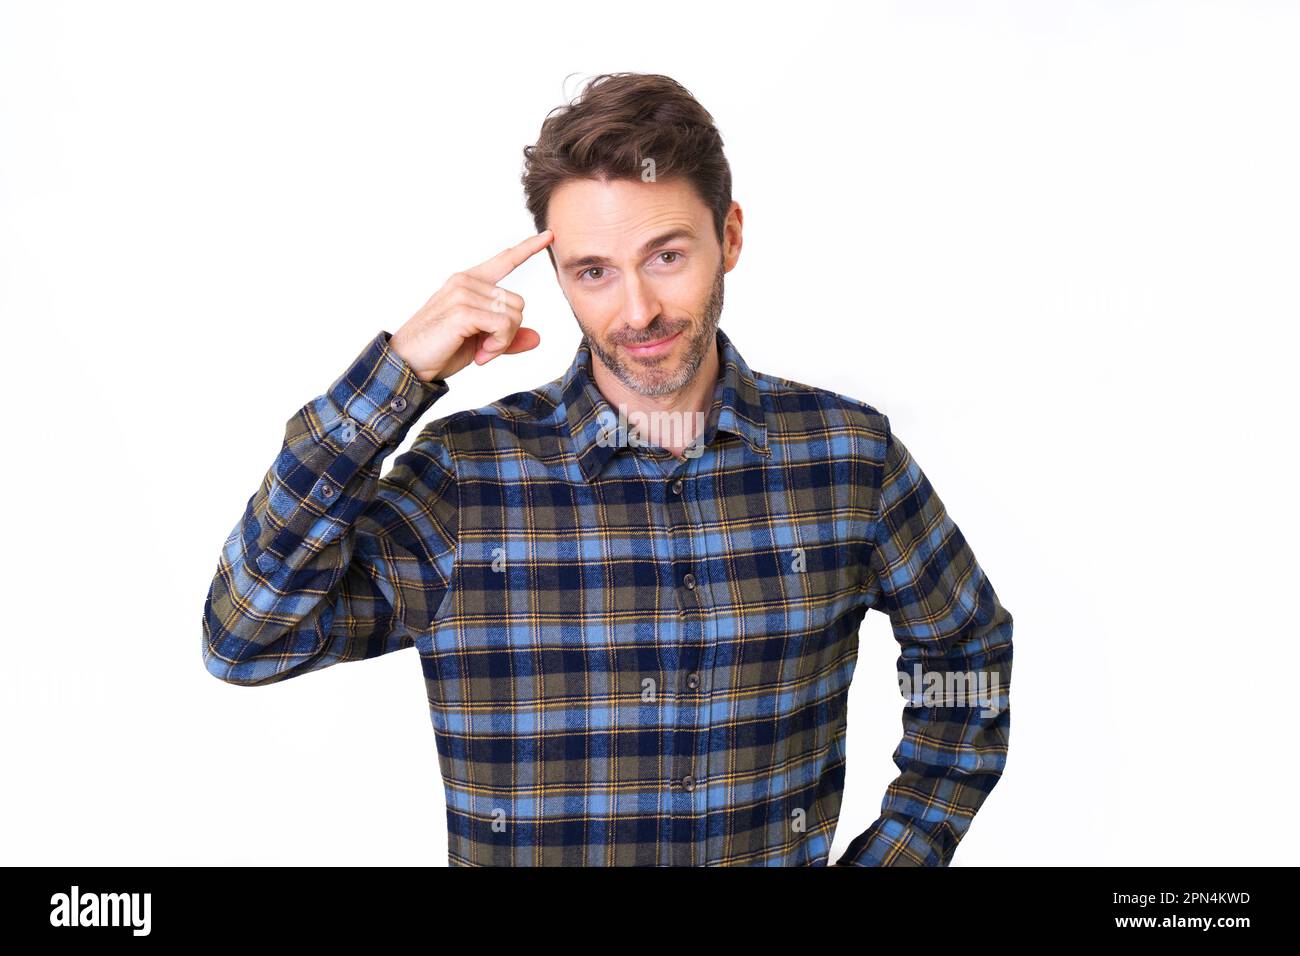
(631, 657)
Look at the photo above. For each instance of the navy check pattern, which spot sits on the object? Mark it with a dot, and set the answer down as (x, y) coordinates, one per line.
(631, 657)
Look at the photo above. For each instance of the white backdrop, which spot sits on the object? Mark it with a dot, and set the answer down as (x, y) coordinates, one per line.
(1056, 243)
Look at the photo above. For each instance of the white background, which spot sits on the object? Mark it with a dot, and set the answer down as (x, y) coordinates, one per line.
(1056, 243)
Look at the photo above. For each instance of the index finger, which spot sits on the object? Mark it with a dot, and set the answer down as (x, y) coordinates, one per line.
(508, 260)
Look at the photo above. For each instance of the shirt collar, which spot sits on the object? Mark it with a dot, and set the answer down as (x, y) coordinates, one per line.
(737, 408)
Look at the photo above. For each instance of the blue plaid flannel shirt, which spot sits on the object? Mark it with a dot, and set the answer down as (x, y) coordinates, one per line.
(631, 657)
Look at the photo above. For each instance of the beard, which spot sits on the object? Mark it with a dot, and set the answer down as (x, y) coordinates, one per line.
(654, 380)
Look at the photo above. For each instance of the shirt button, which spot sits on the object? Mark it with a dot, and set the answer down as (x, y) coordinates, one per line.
(689, 580)
(677, 487)
(397, 404)
(326, 490)
(692, 681)
(347, 430)
(267, 562)
(688, 783)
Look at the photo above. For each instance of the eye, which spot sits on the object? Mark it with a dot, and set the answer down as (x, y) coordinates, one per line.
(592, 269)
(670, 253)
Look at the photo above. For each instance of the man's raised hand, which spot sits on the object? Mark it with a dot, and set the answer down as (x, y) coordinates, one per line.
(470, 318)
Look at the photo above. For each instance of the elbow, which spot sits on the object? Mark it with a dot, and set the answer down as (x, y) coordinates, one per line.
(234, 659)
(251, 672)
(220, 668)
(229, 668)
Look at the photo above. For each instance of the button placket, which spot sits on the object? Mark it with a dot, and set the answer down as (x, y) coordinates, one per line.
(697, 649)
(677, 519)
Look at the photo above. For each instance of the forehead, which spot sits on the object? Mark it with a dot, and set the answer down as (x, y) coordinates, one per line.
(620, 212)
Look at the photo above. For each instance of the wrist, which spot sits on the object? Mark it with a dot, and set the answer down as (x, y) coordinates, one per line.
(401, 348)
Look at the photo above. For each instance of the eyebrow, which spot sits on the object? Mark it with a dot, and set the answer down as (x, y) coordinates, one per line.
(587, 262)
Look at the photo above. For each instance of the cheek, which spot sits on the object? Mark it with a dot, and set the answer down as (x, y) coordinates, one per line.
(683, 293)
(596, 314)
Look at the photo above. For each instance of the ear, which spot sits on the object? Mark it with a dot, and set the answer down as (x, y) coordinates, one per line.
(733, 235)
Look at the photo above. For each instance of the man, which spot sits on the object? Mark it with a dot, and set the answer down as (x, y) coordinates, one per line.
(635, 590)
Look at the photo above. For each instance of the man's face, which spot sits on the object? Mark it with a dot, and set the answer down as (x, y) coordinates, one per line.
(641, 266)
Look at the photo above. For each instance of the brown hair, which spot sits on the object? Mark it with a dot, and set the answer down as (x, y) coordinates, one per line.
(619, 121)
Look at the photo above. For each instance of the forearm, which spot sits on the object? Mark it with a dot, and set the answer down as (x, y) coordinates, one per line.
(301, 582)
(956, 730)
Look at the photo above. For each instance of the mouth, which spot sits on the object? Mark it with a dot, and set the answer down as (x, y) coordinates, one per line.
(657, 347)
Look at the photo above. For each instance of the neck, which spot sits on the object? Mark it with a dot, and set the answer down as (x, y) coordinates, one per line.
(670, 421)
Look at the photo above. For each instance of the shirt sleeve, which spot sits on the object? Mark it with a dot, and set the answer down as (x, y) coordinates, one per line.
(955, 663)
(329, 560)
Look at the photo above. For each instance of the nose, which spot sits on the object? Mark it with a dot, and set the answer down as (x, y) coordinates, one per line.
(640, 304)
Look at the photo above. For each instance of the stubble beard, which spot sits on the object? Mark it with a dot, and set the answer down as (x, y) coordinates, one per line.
(651, 380)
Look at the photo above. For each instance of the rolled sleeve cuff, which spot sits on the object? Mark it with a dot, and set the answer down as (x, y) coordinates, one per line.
(381, 391)
(891, 842)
